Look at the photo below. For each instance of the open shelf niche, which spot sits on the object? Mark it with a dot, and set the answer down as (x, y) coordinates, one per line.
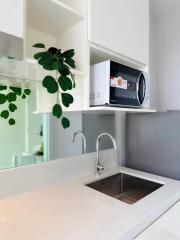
(62, 24)
(99, 54)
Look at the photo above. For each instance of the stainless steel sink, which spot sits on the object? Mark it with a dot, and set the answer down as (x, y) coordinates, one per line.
(126, 188)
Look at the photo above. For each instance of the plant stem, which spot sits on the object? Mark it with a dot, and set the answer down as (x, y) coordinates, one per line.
(58, 86)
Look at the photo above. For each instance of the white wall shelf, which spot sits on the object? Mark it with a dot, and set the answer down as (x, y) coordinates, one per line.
(51, 16)
(78, 73)
(108, 110)
(117, 109)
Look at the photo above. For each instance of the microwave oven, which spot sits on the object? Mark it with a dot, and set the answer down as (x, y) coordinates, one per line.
(114, 84)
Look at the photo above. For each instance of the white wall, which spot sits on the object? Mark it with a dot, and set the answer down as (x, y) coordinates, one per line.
(165, 53)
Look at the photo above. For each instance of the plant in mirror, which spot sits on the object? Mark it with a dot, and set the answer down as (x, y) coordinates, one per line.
(8, 101)
(54, 59)
(22, 144)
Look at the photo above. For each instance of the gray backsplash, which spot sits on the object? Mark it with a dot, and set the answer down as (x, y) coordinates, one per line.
(93, 125)
(153, 143)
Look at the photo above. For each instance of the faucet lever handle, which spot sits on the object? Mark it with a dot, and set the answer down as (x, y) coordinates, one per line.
(100, 168)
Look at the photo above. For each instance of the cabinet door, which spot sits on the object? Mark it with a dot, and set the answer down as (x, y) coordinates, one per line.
(121, 26)
(11, 17)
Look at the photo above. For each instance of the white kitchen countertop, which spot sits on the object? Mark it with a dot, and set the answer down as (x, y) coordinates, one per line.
(72, 211)
(167, 227)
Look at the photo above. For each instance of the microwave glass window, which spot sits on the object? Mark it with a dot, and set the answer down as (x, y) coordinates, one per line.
(124, 94)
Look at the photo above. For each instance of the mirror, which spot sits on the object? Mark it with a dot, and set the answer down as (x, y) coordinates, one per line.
(40, 137)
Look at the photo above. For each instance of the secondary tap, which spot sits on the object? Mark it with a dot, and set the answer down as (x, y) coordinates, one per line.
(84, 139)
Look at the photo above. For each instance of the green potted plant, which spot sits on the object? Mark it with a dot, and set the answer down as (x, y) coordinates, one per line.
(53, 59)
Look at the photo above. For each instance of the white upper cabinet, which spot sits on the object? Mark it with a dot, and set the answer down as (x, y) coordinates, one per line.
(121, 26)
(11, 12)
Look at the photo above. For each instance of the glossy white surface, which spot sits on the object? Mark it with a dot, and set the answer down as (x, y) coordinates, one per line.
(166, 227)
(72, 211)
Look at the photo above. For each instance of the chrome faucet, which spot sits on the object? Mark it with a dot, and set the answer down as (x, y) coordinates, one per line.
(99, 166)
(84, 140)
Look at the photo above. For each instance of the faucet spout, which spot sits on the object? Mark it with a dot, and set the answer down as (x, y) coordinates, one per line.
(84, 140)
(99, 166)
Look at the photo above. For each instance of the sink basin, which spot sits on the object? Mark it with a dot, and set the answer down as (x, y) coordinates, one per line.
(124, 187)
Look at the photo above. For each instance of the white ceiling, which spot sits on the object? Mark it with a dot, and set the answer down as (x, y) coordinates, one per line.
(164, 6)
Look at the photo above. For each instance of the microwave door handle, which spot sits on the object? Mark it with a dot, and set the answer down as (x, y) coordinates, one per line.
(143, 88)
(137, 90)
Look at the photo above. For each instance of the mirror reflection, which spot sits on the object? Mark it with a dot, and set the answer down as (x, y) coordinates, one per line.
(40, 137)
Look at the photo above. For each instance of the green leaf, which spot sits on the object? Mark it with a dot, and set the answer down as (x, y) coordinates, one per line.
(64, 70)
(11, 97)
(51, 84)
(48, 67)
(46, 59)
(70, 62)
(65, 83)
(57, 110)
(69, 53)
(38, 55)
(12, 107)
(65, 122)
(3, 98)
(60, 59)
(55, 65)
(67, 99)
(53, 50)
(24, 96)
(39, 45)
(12, 121)
(49, 60)
(3, 87)
(27, 91)
(44, 56)
(16, 90)
(5, 114)
(10, 57)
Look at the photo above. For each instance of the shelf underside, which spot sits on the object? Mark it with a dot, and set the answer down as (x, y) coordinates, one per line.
(117, 109)
(110, 110)
(100, 54)
(51, 16)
